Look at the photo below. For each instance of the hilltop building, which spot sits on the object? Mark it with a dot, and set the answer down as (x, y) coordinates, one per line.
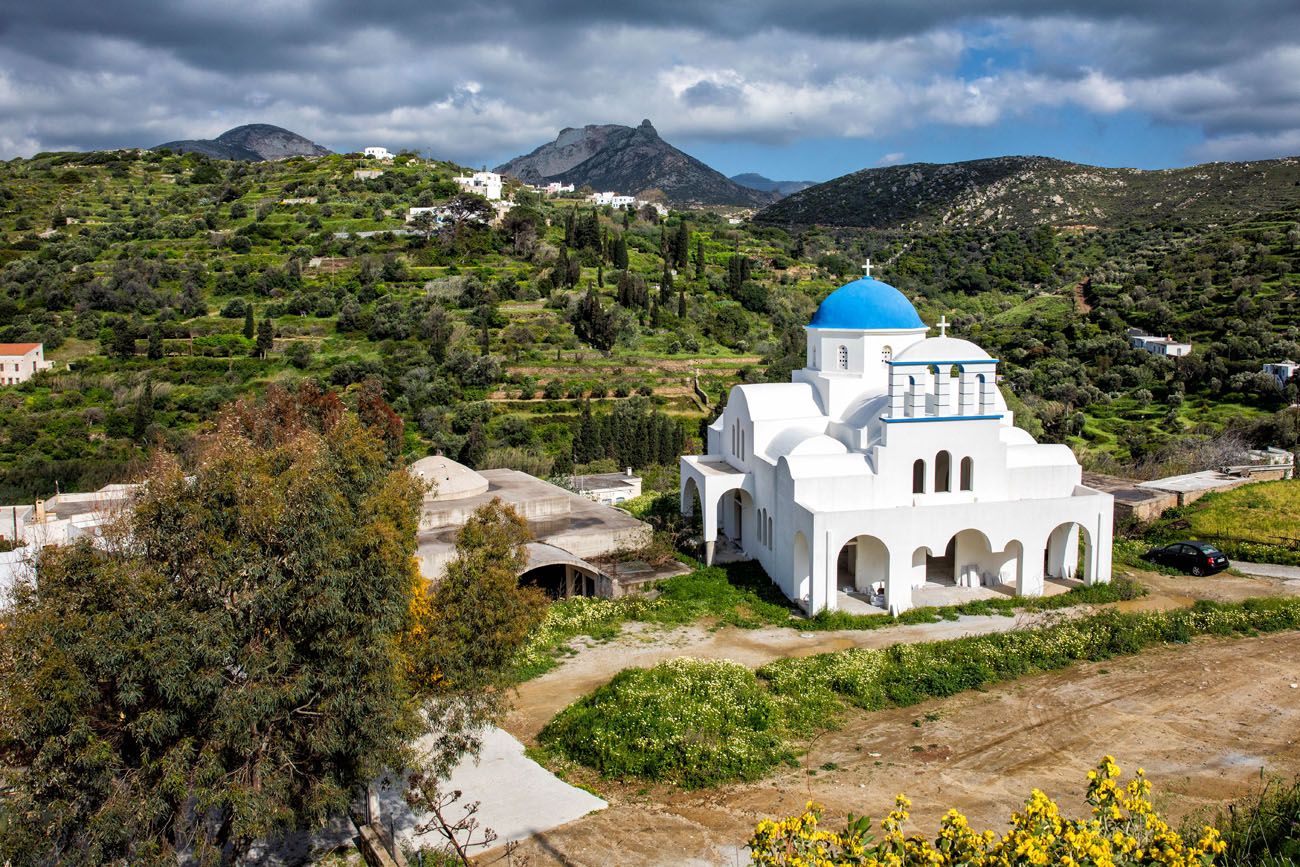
(609, 489)
(486, 184)
(888, 466)
(1282, 371)
(378, 153)
(1166, 346)
(20, 361)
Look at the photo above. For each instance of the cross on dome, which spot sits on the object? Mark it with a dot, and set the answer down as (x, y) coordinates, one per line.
(942, 325)
(867, 268)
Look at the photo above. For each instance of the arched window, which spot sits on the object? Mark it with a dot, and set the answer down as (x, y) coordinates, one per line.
(844, 357)
(918, 477)
(769, 531)
(955, 371)
(887, 354)
(967, 474)
(983, 400)
(942, 473)
(742, 445)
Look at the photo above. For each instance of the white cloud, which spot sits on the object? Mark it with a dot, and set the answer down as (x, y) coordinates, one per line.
(891, 159)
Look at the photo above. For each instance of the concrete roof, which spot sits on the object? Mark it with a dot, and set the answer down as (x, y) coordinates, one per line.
(454, 481)
(1208, 480)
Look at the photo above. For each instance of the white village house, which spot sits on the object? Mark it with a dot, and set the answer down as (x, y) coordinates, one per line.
(378, 153)
(1282, 371)
(1158, 345)
(888, 462)
(486, 184)
(20, 361)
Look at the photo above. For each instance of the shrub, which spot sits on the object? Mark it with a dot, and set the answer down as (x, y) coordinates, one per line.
(1124, 828)
(690, 721)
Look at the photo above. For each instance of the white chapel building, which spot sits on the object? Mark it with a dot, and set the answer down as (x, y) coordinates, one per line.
(890, 461)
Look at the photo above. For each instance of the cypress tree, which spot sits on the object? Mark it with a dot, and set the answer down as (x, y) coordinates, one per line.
(699, 258)
(681, 304)
(666, 285)
(265, 338)
(248, 322)
(155, 351)
(143, 412)
(681, 244)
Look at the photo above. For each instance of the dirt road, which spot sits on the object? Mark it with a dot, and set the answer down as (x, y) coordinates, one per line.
(1203, 720)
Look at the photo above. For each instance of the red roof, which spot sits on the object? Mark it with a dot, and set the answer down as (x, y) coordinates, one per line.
(18, 348)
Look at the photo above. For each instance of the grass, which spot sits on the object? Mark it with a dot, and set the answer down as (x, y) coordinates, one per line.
(741, 595)
(703, 723)
(1253, 522)
(1264, 829)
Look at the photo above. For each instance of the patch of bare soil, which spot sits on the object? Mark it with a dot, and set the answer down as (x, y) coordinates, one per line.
(1202, 719)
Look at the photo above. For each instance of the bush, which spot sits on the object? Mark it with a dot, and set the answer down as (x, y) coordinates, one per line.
(1264, 829)
(1124, 828)
(689, 721)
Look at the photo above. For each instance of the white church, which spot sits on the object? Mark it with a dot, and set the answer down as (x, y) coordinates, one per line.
(888, 465)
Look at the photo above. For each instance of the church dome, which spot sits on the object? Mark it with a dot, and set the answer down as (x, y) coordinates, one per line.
(943, 349)
(452, 481)
(866, 304)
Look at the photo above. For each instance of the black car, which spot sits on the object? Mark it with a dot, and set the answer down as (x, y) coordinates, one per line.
(1199, 558)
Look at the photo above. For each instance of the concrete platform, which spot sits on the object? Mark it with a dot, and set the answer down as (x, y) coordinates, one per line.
(517, 797)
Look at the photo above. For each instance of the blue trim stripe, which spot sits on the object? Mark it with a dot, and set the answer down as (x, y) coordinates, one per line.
(940, 418)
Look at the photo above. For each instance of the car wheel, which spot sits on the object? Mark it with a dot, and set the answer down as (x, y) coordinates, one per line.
(1198, 571)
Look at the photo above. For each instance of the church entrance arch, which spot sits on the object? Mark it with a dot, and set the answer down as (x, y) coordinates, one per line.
(1066, 545)
(802, 571)
(863, 567)
(736, 516)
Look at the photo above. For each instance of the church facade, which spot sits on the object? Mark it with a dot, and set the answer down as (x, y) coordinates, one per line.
(891, 462)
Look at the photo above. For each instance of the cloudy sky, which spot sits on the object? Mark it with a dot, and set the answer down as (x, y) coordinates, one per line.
(794, 89)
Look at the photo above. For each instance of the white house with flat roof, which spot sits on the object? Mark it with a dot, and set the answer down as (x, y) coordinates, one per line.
(378, 153)
(486, 184)
(1282, 371)
(890, 465)
(1166, 346)
(20, 361)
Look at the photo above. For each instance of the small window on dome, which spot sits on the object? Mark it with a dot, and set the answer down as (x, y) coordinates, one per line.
(844, 358)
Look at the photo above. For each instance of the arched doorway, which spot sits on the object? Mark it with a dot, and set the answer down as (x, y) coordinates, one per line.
(863, 569)
(941, 569)
(561, 581)
(1066, 546)
(802, 571)
(736, 518)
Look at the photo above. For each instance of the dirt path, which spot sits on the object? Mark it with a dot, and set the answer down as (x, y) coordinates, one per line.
(540, 699)
(1202, 719)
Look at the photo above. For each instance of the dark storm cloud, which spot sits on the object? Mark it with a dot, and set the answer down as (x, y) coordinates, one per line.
(470, 78)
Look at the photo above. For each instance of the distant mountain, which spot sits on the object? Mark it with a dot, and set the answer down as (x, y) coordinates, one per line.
(630, 160)
(252, 142)
(767, 185)
(1011, 192)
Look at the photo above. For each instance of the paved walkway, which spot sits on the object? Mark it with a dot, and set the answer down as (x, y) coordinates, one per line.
(1268, 570)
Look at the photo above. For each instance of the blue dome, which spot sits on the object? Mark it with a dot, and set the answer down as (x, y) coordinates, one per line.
(866, 305)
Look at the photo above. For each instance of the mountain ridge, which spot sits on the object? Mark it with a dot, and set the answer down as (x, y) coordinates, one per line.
(629, 160)
(1028, 191)
(251, 142)
(755, 181)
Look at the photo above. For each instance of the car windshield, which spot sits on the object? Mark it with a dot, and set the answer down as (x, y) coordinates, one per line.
(1209, 549)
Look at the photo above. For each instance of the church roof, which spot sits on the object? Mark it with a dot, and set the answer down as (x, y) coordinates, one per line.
(943, 349)
(866, 304)
(769, 401)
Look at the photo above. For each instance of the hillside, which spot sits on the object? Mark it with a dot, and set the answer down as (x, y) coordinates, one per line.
(630, 160)
(763, 184)
(165, 285)
(250, 143)
(1023, 192)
